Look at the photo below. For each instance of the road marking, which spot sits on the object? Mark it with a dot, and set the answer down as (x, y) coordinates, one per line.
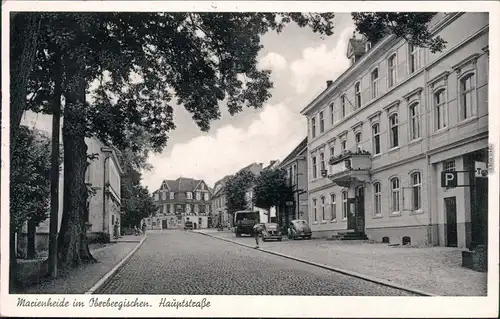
(338, 270)
(109, 275)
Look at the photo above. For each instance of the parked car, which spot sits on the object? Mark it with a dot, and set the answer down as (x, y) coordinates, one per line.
(270, 231)
(299, 228)
(188, 225)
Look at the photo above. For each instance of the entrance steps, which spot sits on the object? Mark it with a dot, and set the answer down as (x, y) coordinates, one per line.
(352, 235)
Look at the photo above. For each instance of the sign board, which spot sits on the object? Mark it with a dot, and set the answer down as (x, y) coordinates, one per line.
(449, 179)
(481, 170)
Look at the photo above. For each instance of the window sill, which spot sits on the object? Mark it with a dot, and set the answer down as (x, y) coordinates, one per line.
(416, 212)
(415, 141)
(393, 149)
(333, 221)
(377, 216)
(441, 131)
(315, 223)
(376, 156)
(395, 214)
(323, 222)
(467, 121)
(344, 219)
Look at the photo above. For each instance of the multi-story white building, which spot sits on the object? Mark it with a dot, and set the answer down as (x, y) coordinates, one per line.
(382, 133)
(219, 203)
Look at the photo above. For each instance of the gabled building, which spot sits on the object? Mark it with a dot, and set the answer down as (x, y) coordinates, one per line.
(295, 164)
(382, 133)
(181, 200)
(219, 203)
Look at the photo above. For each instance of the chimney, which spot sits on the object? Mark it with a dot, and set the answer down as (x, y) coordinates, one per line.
(328, 83)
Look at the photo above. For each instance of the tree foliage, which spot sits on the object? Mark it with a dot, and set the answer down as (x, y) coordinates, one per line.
(29, 179)
(236, 188)
(271, 189)
(411, 26)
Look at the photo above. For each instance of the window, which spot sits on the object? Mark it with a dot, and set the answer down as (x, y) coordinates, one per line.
(467, 88)
(449, 166)
(164, 195)
(416, 191)
(322, 161)
(377, 199)
(414, 121)
(368, 46)
(343, 146)
(189, 195)
(357, 95)
(164, 209)
(294, 173)
(440, 109)
(205, 197)
(391, 70)
(357, 137)
(376, 138)
(198, 196)
(374, 83)
(315, 212)
(333, 207)
(157, 197)
(414, 58)
(343, 106)
(323, 215)
(395, 195)
(332, 151)
(313, 127)
(394, 134)
(315, 169)
(332, 117)
(321, 122)
(344, 205)
(172, 195)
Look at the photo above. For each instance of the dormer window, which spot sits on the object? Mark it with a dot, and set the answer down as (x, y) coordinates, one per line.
(171, 195)
(368, 46)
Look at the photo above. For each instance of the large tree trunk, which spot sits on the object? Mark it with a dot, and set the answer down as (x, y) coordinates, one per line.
(31, 236)
(72, 244)
(24, 31)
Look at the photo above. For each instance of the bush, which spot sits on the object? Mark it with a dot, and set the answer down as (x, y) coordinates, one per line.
(98, 238)
(128, 231)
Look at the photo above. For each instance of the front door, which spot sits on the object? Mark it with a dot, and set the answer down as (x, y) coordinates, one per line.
(360, 209)
(479, 212)
(164, 224)
(351, 213)
(450, 204)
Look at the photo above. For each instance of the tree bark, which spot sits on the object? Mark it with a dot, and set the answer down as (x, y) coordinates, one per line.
(23, 37)
(72, 244)
(31, 249)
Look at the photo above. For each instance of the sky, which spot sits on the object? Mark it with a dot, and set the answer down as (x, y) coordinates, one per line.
(301, 63)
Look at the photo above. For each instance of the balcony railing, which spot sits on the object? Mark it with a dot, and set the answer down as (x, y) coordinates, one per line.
(350, 168)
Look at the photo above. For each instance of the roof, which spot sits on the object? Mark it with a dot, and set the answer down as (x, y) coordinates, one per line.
(296, 151)
(182, 184)
(222, 182)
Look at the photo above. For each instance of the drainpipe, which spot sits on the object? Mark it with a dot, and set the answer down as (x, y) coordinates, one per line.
(428, 102)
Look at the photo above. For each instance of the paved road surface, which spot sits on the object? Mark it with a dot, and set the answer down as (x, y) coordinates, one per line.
(178, 262)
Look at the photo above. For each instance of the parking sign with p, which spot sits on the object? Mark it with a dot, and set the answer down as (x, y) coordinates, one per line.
(449, 179)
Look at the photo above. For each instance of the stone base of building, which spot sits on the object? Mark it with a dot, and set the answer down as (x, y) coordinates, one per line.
(413, 235)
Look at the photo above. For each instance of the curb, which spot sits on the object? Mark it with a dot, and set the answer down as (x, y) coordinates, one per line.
(338, 270)
(110, 274)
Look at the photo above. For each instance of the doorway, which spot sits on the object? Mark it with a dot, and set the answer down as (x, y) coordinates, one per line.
(479, 212)
(164, 224)
(360, 209)
(450, 204)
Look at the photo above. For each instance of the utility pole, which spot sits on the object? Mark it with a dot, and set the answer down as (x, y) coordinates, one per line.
(54, 170)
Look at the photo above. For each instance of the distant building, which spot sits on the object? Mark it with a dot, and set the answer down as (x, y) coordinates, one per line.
(382, 133)
(295, 164)
(219, 203)
(181, 200)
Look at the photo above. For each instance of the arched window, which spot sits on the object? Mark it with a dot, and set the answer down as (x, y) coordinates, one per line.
(416, 194)
(313, 127)
(315, 212)
(323, 215)
(377, 199)
(414, 58)
(394, 130)
(344, 205)
(440, 110)
(414, 111)
(343, 105)
(321, 122)
(391, 70)
(395, 195)
(357, 95)
(467, 89)
(376, 138)
(357, 138)
(332, 112)
(374, 83)
(333, 206)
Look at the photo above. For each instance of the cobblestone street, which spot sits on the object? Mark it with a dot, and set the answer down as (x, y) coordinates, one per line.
(178, 262)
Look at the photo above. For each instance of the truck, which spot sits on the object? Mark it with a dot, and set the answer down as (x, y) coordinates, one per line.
(244, 220)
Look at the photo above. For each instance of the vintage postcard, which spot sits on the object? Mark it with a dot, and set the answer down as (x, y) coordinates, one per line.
(250, 159)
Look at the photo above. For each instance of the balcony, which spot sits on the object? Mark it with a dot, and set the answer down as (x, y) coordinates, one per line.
(350, 169)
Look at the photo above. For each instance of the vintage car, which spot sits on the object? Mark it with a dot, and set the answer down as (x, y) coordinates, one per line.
(270, 231)
(245, 221)
(188, 225)
(299, 228)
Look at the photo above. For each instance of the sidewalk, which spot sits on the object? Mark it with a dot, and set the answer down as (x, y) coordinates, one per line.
(80, 280)
(436, 270)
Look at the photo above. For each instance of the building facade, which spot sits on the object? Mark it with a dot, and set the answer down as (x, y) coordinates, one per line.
(219, 203)
(181, 200)
(295, 164)
(382, 134)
